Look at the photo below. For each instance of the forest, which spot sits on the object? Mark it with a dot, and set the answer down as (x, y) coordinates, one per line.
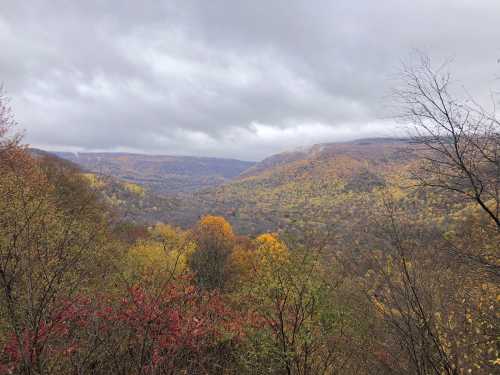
(350, 259)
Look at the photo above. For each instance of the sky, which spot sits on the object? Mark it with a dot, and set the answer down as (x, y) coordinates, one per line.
(239, 79)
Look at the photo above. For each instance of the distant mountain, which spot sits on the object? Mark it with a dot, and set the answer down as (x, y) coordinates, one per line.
(161, 173)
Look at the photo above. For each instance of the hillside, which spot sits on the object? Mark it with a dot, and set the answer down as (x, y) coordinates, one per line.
(310, 185)
(359, 149)
(161, 173)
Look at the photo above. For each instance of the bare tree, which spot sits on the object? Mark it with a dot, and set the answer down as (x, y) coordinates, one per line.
(7, 124)
(405, 301)
(459, 142)
(461, 137)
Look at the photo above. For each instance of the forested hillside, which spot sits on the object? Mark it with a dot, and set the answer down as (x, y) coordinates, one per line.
(294, 188)
(372, 257)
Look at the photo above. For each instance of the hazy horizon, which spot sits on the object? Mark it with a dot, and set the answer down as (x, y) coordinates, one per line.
(302, 148)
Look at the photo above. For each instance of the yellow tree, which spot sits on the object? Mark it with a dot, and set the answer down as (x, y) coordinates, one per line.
(160, 257)
(270, 249)
(215, 242)
(251, 258)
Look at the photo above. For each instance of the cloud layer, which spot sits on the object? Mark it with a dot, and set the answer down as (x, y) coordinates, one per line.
(237, 79)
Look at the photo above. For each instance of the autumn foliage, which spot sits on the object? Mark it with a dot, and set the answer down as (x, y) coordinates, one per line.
(136, 333)
(361, 260)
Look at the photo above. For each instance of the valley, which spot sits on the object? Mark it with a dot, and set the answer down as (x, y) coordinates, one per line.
(310, 185)
(160, 173)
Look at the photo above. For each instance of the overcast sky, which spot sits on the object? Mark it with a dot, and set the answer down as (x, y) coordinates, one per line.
(240, 79)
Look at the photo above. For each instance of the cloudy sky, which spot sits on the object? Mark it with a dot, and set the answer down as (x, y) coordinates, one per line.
(238, 78)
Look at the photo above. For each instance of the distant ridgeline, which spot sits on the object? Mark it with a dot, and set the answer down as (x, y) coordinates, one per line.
(161, 173)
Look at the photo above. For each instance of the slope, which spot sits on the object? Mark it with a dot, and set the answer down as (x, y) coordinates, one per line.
(312, 186)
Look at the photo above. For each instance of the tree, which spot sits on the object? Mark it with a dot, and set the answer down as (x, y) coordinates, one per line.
(160, 257)
(270, 249)
(215, 241)
(304, 331)
(52, 245)
(460, 144)
(439, 316)
(7, 124)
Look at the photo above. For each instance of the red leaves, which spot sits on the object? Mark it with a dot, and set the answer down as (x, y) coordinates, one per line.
(162, 326)
(51, 337)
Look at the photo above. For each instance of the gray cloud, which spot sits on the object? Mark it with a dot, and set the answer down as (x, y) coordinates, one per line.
(226, 78)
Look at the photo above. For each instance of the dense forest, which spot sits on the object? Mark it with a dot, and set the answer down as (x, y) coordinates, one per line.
(362, 258)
